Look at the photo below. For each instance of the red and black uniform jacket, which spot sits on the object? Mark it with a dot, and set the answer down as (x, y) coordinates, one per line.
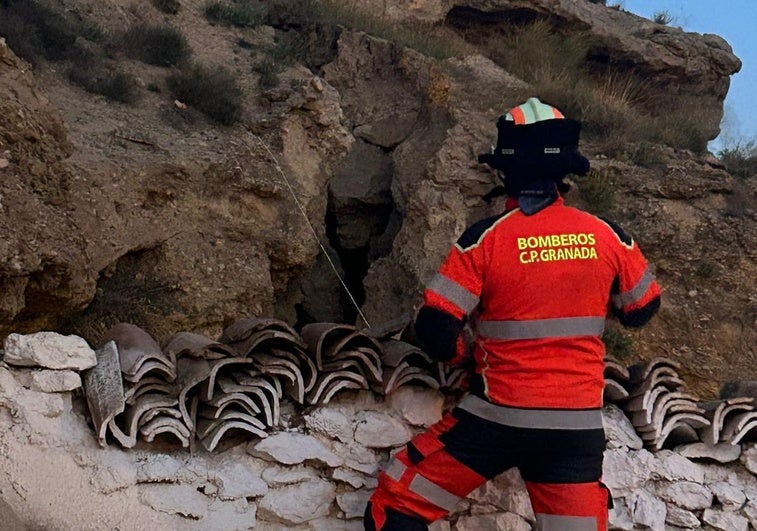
(540, 288)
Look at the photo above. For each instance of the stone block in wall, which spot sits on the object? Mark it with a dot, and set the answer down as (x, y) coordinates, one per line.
(333, 524)
(725, 520)
(112, 470)
(671, 466)
(332, 422)
(298, 503)
(49, 350)
(729, 496)
(749, 458)
(507, 492)
(714, 473)
(619, 431)
(748, 483)
(685, 494)
(8, 515)
(440, 525)
(48, 380)
(374, 429)
(620, 517)
(354, 479)
(239, 515)
(291, 448)
(625, 471)
(183, 500)
(167, 468)
(647, 510)
(353, 503)
(417, 406)
(750, 511)
(235, 479)
(492, 522)
(681, 517)
(358, 457)
(47, 419)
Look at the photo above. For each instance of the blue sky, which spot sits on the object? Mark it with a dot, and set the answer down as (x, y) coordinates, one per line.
(734, 20)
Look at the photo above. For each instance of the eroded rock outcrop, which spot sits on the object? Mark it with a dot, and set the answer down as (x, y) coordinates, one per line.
(672, 61)
(42, 250)
(185, 240)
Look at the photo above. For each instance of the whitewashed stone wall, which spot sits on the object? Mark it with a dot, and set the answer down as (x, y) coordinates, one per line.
(316, 473)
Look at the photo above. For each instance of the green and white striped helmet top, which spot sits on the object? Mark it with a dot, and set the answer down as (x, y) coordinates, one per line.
(531, 112)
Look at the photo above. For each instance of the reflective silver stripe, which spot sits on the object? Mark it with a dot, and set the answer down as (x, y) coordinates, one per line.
(635, 293)
(395, 469)
(556, 522)
(433, 493)
(545, 419)
(453, 292)
(542, 328)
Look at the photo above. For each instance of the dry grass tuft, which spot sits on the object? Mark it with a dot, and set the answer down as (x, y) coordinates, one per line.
(170, 7)
(597, 191)
(237, 13)
(741, 159)
(33, 30)
(161, 45)
(614, 105)
(212, 90)
(427, 39)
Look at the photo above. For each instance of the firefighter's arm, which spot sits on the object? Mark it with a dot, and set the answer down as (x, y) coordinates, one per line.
(449, 299)
(440, 334)
(635, 293)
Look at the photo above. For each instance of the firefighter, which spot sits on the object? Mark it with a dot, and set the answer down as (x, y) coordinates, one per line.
(536, 283)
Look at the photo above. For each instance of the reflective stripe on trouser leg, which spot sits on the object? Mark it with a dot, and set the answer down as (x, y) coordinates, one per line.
(429, 487)
(569, 506)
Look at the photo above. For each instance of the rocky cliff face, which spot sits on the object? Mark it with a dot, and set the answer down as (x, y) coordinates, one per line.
(149, 213)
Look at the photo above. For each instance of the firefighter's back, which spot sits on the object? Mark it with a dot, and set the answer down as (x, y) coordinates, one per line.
(546, 287)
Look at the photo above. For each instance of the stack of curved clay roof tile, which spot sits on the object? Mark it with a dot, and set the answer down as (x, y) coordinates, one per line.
(203, 388)
(660, 412)
(345, 358)
(732, 421)
(452, 377)
(149, 404)
(238, 383)
(208, 411)
(616, 381)
(274, 348)
(405, 363)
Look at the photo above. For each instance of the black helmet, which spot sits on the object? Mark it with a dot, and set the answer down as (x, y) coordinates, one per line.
(536, 148)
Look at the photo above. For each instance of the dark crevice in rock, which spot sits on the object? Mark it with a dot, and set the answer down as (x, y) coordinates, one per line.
(355, 266)
(467, 17)
(47, 294)
(362, 218)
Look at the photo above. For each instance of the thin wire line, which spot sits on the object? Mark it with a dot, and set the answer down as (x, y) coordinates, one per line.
(312, 229)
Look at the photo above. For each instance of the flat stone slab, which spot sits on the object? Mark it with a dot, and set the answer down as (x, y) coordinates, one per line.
(49, 350)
